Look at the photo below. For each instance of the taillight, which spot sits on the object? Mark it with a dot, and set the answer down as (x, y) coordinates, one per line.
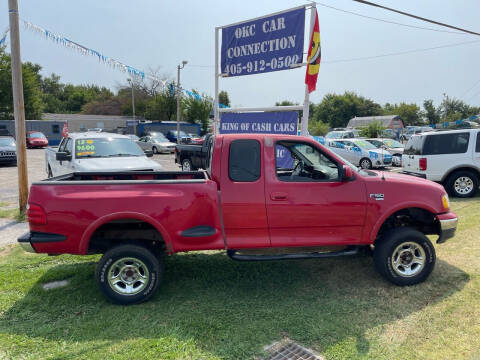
(422, 164)
(36, 215)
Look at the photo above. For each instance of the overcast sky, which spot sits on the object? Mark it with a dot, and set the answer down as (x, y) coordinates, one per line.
(152, 33)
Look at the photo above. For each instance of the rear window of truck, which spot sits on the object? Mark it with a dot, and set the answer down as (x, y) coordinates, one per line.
(244, 160)
(446, 144)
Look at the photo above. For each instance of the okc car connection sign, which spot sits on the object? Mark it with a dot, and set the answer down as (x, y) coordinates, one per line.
(262, 45)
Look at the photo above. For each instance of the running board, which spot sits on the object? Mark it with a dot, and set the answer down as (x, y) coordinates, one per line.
(350, 251)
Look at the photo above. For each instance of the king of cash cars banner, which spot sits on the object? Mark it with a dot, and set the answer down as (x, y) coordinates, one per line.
(263, 123)
(267, 44)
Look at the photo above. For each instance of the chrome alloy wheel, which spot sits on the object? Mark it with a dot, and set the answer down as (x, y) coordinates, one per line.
(408, 259)
(128, 276)
(463, 185)
(366, 164)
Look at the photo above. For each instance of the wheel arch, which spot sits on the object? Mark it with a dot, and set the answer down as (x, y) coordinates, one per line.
(471, 168)
(417, 216)
(127, 217)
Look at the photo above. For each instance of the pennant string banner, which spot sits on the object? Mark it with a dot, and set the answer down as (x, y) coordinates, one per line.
(3, 39)
(61, 40)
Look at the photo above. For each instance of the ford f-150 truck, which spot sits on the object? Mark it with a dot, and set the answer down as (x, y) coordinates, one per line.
(312, 204)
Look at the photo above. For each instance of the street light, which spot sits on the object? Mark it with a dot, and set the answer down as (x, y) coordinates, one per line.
(179, 67)
(133, 108)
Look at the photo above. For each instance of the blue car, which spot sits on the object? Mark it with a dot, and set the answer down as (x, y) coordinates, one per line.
(184, 138)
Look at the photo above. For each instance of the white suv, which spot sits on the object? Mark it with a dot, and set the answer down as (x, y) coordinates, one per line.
(449, 157)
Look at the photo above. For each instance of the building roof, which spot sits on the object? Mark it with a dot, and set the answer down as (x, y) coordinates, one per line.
(66, 117)
(385, 120)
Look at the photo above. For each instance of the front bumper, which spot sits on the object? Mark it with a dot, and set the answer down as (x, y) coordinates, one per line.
(8, 159)
(411, 173)
(448, 226)
(29, 238)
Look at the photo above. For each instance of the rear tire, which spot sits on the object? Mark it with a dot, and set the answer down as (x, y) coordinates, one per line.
(462, 184)
(128, 274)
(404, 256)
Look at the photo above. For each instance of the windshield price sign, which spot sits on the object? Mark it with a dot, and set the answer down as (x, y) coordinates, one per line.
(267, 44)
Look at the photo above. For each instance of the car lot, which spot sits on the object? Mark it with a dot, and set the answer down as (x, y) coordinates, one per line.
(36, 172)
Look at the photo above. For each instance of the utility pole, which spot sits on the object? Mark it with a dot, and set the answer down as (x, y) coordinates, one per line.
(18, 105)
(179, 92)
(133, 108)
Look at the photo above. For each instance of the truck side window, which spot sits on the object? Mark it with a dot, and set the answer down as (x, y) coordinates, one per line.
(244, 160)
(301, 162)
(61, 148)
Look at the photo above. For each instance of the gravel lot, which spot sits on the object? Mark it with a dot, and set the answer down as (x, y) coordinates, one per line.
(36, 172)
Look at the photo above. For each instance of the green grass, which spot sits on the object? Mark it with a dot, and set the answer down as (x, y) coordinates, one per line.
(10, 213)
(210, 307)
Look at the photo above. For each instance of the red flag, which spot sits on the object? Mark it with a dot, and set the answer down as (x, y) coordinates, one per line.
(65, 129)
(314, 56)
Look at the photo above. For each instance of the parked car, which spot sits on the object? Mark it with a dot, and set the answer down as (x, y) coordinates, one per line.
(394, 147)
(360, 153)
(36, 139)
(244, 201)
(192, 157)
(345, 134)
(97, 151)
(8, 150)
(157, 142)
(412, 130)
(172, 136)
(196, 139)
(450, 157)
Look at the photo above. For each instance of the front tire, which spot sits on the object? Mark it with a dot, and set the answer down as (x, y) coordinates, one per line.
(155, 150)
(462, 184)
(187, 165)
(128, 274)
(404, 256)
(49, 173)
(366, 163)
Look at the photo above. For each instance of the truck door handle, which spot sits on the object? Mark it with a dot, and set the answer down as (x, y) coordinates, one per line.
(279, 196)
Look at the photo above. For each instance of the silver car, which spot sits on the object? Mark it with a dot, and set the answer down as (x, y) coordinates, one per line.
(158, 143)
(392, 146)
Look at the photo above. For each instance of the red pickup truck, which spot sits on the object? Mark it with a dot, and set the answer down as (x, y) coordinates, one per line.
(263, 197)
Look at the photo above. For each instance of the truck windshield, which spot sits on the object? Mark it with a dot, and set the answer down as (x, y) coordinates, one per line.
(7, 142)
(106, 147)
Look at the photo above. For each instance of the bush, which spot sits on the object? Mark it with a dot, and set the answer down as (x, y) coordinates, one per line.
(318, 128)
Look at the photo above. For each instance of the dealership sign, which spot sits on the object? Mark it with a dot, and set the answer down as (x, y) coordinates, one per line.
(263, 123)
(262, 45)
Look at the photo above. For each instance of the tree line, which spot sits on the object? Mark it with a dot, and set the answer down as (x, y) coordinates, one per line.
(156, 102)
(153, 100)
(335, 110)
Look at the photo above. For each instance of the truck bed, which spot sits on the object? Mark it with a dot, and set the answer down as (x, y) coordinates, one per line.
(85, 178)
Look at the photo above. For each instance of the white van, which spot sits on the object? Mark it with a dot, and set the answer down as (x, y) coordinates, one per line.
(449, 157)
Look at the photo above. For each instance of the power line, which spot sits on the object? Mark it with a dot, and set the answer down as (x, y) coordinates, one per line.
(384, 55)
(469, 89)
(388, 21)
(401, 52)
(417, 17)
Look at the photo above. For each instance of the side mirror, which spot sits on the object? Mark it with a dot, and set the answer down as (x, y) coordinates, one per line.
(347, 173)
(63, 156)
(148, 153)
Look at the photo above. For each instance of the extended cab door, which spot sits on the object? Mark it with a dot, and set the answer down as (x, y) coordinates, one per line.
(308, 204)
(242, 189)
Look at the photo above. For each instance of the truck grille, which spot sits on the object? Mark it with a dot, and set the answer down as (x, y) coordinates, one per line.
(7, 153)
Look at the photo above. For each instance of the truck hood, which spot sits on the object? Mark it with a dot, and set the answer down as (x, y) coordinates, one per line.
(8, 148)
(117, 164)
(397, 188)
